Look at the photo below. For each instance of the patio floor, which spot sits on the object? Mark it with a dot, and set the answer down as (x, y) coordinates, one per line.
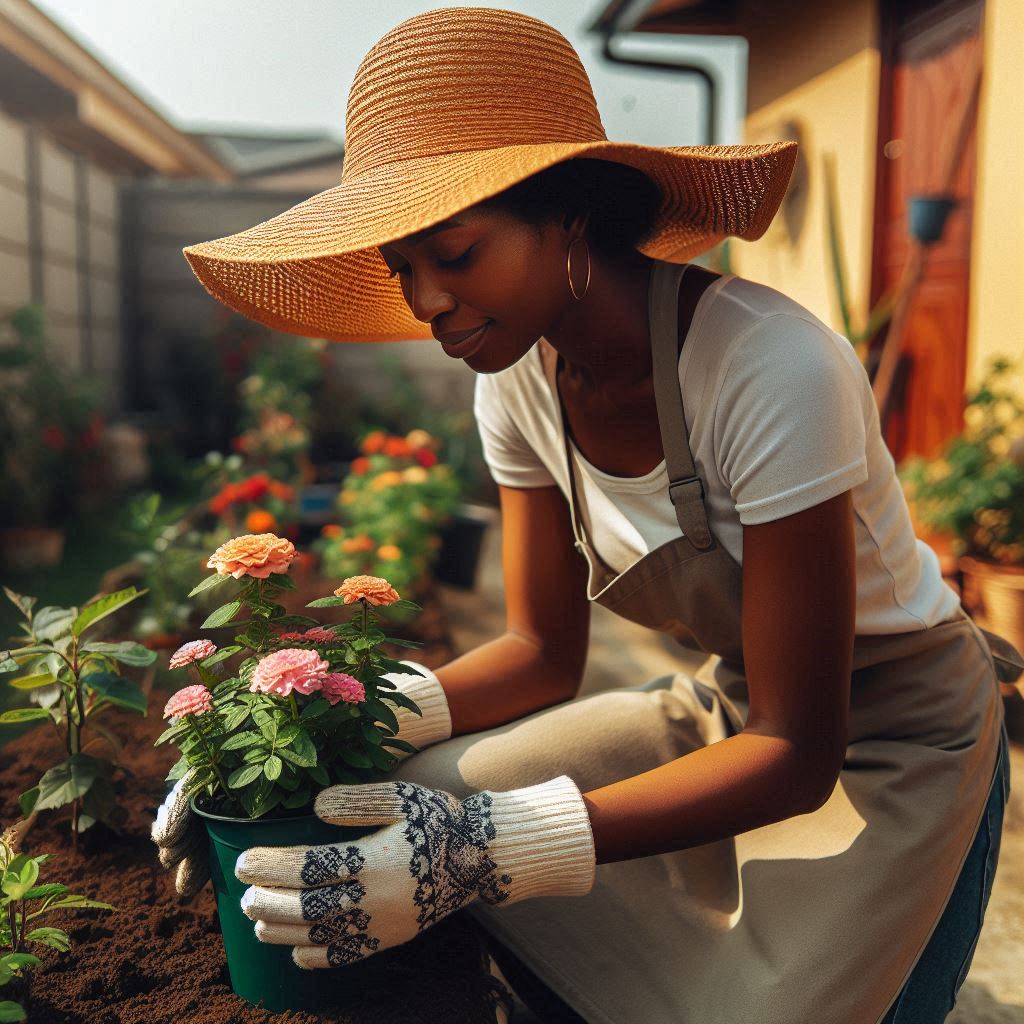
(622, 653)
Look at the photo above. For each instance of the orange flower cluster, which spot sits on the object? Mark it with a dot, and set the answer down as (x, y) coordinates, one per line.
(417, 444)
(252, 489)
(372, 589)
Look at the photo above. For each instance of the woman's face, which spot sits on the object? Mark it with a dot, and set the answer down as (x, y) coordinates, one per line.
(487, 271)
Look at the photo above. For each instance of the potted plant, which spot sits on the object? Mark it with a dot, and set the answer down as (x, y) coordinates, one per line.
(50, 431)
(305, 706)
(974, 493)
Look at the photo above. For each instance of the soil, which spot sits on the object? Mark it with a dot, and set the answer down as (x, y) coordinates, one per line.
(159, 959)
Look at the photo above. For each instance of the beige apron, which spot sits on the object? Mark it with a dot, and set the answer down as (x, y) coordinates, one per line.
(818, 918)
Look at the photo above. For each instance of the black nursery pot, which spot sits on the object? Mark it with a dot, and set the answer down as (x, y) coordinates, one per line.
(462, 538)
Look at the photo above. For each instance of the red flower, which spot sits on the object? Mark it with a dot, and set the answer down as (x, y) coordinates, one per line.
(53, 437)
(360, 465)
(425, 457)
(239, 444)
(397, 447)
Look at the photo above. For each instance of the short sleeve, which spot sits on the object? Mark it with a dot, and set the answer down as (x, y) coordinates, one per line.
(790, 418)
(511, 460)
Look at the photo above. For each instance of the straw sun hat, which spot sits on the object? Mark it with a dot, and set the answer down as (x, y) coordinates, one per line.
(447, 109)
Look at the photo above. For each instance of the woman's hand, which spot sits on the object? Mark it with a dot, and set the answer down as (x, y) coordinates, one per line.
(339, 903)
(181, 837)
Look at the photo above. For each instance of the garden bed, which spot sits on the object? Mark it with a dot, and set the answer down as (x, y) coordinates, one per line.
(159, 959)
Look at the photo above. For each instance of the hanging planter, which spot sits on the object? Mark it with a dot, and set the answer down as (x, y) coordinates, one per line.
(927, 216)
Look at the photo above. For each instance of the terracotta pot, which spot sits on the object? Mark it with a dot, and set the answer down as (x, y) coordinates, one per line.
(993, 595)
(31, 547)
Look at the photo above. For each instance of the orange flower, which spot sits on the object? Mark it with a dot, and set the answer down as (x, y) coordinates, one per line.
(360, 465)
(257, 555)
(419, 439)
(331, 530)
(397, 448)
(389, 478)
(260, 521)
(347, 497)
(280, 490)
(353, 544)
(388, 553)
(371, 589)
(415, 475)
(373, 442)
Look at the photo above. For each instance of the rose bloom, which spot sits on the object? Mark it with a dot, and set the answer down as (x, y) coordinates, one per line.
(259, 520)
(253, 554)
(389, 553)
(192, 700)
(293, 668)
(372, 589)
(338, 686)
(194, 650)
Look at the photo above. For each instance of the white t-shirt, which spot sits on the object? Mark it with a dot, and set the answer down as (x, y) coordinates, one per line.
(780, 417)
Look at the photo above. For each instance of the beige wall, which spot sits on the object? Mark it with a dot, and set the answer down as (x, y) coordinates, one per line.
(996, 314)
(832, 96)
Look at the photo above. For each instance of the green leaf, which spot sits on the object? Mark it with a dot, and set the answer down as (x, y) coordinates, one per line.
(7, 663)
(241, 777)
(39, 892)
(356, 758)
(370, 732)
(392, 741)
(381, 758)
(299, 798)
(11, 1012)
(56, 938)
(20, 961)
(101, 608)
(209, 583)
(402, 700)
(399, 606)
(128, 652)
(33, 682)
(272, 767)
(18, 715)
(67, 781)
(301, 751)
(52, 622)
(27, 801)
(382, 713)
(314, 710)
(279, 579)
(19, 876)
(326, 602)
(117, 690)
(222, 655)
(222, 616)
(23, 604)
(399, 642)
(240, 740)
(318, 773)
(76, 902)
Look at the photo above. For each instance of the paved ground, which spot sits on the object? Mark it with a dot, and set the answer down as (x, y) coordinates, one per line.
(622, 653)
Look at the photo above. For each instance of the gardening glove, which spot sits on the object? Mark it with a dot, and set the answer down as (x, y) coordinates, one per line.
(339, 903)
(180, 835)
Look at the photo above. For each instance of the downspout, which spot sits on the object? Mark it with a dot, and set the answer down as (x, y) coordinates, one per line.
(620, 27)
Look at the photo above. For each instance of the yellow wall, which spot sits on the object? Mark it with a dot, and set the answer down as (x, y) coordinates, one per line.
(833, 99)
(997, 244)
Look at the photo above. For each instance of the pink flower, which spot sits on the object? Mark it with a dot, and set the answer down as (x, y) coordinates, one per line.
(338, 686)
(313, 635)
(192, 700)
(253, 554)
(287, 670)
(194, 650)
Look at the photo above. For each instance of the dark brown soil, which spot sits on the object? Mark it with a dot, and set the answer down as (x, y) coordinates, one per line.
(160, 960)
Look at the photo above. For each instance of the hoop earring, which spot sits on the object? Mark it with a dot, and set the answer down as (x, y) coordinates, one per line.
(568, 268)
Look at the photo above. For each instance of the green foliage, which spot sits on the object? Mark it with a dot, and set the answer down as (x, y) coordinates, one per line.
(975, 489)
(253, 753)
(24, 900)
(73, 680)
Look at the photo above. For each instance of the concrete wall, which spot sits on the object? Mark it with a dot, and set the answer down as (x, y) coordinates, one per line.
(59, 246)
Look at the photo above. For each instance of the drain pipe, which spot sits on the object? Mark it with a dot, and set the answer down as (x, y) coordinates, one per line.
(620, 28)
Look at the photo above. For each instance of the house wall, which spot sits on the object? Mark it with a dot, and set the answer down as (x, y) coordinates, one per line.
(820, 73)
(59, 228)
(996, 311)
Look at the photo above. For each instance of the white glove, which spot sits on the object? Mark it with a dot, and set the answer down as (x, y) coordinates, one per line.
(337, 904)
(181, 837)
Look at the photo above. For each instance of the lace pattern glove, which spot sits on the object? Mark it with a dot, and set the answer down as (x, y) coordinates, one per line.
(339, 903)
(181, 837)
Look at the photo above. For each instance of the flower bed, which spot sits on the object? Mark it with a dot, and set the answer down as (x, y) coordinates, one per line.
(159, 959)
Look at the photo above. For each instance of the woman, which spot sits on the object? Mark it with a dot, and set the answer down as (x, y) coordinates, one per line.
(806, 829)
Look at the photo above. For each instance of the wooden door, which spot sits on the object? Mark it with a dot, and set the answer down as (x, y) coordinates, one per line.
(928, 50)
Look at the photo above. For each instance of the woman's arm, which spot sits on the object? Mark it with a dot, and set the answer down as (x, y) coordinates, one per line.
(539, 659)
(799, 597)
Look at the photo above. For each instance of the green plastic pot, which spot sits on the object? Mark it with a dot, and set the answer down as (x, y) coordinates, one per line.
(262, 973)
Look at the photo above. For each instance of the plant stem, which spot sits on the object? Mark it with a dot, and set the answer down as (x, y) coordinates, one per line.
(213, 761)
(362, 601)
(295, 707)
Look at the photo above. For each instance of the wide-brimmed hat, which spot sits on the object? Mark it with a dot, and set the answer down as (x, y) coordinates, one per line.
(449, 108)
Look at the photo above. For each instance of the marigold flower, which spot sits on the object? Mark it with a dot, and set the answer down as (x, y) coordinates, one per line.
(192, 700)
(257, 555)
(389, 553)
(397, 448)
(425, 457)
(389, 478)
(293, 668)
(280, 490)
(372, 589)
(347, 497)
(259, 520)
(360, 466)
(351, 545)
(331, 530)
(337, 686)
(418, 439)
(194, 650)
(415, 475)
(373, 442)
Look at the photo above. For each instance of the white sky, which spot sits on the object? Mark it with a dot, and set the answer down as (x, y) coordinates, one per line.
(287, 65)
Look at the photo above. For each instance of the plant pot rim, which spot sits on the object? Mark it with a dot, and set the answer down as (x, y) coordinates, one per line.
(245, 821)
